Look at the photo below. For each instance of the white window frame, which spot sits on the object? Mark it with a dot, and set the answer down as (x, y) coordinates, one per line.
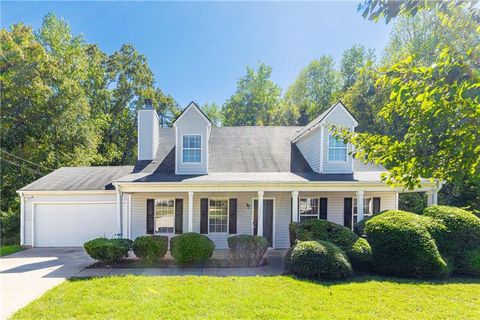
(155, 215)
(228, 214)
(366, 214)
(201, 145)
(337, 148)
(300, 215)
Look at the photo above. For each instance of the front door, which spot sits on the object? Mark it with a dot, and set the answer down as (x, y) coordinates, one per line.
(267, 219)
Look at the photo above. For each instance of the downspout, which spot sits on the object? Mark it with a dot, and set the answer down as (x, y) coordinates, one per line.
(22, 218)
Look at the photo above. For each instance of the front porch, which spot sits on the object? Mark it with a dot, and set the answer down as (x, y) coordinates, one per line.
(221, 214)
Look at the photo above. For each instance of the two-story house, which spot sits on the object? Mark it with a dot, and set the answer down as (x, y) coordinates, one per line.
(194, 177)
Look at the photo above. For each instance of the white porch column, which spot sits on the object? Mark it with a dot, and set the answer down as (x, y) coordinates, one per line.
(396, 200)
(360, 195)
(190, 211)
(432, 197)
(260, 213)
(294, 206)
(120, 212)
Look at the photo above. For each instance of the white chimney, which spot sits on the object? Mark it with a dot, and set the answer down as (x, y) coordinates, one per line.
(148, 130)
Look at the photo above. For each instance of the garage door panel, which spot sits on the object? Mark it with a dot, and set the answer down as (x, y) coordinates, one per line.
(61, 225)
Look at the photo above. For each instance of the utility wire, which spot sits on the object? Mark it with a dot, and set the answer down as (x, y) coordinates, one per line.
(35, 164)
(22, 166)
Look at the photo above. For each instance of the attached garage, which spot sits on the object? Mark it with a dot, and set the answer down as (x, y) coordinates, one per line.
(72, 224)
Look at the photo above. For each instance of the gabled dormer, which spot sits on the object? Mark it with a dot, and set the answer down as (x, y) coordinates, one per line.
(192, 135)
(324, 152)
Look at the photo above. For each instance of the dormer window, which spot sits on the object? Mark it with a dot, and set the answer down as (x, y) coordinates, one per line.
(192, 148)
(337, 149)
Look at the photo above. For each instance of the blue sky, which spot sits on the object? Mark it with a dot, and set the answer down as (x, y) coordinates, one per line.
(198, 50)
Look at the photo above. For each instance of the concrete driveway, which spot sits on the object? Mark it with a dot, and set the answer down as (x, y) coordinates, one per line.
(26, 275)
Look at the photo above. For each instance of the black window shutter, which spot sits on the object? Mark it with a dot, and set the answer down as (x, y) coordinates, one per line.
(150, 216)
(347, 212)
(204, 215)
(232, 219)
(178, 216)
(323, 208)
(376, 205)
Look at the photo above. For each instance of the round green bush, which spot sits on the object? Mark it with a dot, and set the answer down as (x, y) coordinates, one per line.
(247, 250)
(125, 242)
(402, 245)
(191, 247)
(150, 248)
(357, 249)
(106, 250)
(470, 263)
(318, 259)
(460, 234)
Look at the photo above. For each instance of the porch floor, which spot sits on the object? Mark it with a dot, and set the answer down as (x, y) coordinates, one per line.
(275, 266)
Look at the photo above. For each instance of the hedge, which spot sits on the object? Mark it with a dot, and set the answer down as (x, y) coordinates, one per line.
(191, 247)
(247, 250)
(150, 248)
(106, 250)
(459, 237)
(402, 244)
(318, 259)
(357, 249)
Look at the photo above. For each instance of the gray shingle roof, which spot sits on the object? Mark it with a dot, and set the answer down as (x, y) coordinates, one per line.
(79, 178)
(236, 154)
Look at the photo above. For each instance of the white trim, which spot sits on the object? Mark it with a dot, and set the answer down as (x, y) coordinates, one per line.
(120, 213)
(190, 105)
(295, 211)
(273, 219)
(201, 148)
(130, 216)
(190, 211)
(176, 150)
(396, 201)
(22, 219)
(322, 147)
(228, 215)
(67, 192)
(352, 147)
(328, 151)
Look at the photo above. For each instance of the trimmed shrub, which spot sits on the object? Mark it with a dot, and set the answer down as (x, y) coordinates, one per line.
(125, 242)
(318, 259)
(402, 245)
(460, 234)
(357, 249)
(191, 247)
(470, 263)
(150, 248)
(106, 250)
(247, 250)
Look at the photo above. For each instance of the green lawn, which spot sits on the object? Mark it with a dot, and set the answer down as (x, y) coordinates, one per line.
(143, 297)
(4, 250)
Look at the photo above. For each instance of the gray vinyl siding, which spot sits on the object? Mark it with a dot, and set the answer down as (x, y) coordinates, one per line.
(30, 199)
(335, 166)
(192, 122)
(309, 146)
(282, 211)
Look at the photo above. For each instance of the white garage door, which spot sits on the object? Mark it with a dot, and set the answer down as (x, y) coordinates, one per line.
(70, 225)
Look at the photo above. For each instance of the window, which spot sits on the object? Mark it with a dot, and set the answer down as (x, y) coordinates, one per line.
(165, 216)
(337, 149)
(308, 208)
(367, 209)
(192, 148)
(217, 215)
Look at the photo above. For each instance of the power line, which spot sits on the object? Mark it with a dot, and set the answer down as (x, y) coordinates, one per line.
(23, 167)
(35, 164)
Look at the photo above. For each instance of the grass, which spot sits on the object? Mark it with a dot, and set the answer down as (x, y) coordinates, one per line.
(280, 297)
(5, 250)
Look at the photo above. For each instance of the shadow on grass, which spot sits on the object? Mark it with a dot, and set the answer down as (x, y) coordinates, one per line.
(365, 278)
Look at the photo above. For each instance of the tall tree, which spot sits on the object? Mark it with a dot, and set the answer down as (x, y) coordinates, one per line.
(314, 89)
(254, 101)
(441, 103)
(213, 112)
(353, 61)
